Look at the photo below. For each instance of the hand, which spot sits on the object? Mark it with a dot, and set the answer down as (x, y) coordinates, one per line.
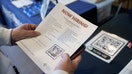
(67, 64)
(24, 31)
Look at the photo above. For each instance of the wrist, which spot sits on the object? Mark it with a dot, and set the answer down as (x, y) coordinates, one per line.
(12, 39)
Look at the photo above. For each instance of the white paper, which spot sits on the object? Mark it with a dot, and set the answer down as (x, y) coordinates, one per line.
(90, 1)
(44, 8)
(105, 46)
(65, 2)
(22, 3)
(127, 69)
(62, 31)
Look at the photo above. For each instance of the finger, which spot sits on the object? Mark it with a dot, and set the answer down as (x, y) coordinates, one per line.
(64, 62)
(32, 26)
(32, 33)
(65, 58)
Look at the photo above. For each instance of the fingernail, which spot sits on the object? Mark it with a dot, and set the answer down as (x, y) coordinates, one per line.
(64, 55)
(38, 33)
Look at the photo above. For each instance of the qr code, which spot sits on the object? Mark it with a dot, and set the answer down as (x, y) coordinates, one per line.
(54, 51)
(107, 44)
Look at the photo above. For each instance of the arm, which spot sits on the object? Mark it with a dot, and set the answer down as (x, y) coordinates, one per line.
(8, 36)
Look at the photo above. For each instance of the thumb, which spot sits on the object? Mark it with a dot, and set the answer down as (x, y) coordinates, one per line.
(66, 58)
(32, 33)
(64, 62)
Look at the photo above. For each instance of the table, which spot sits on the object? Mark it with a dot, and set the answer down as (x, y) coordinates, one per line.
(120, 25)
(15, 16)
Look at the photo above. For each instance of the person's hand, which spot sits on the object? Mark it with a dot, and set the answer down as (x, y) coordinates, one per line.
(24, 31)
(67, 64)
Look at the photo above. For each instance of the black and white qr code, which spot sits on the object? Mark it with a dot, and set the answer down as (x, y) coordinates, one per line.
(107, 44)
(54, 51)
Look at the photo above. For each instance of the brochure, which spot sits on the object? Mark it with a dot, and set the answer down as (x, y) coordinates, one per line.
(62, 31)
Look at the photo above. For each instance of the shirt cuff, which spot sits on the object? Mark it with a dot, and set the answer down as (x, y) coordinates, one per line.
(5, 36)
(60, 72)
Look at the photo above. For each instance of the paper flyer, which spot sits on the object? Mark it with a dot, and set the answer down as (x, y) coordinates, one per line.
(62, 31)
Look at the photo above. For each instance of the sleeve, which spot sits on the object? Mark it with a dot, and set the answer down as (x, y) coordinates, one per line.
(60, 72)
(5, 36)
